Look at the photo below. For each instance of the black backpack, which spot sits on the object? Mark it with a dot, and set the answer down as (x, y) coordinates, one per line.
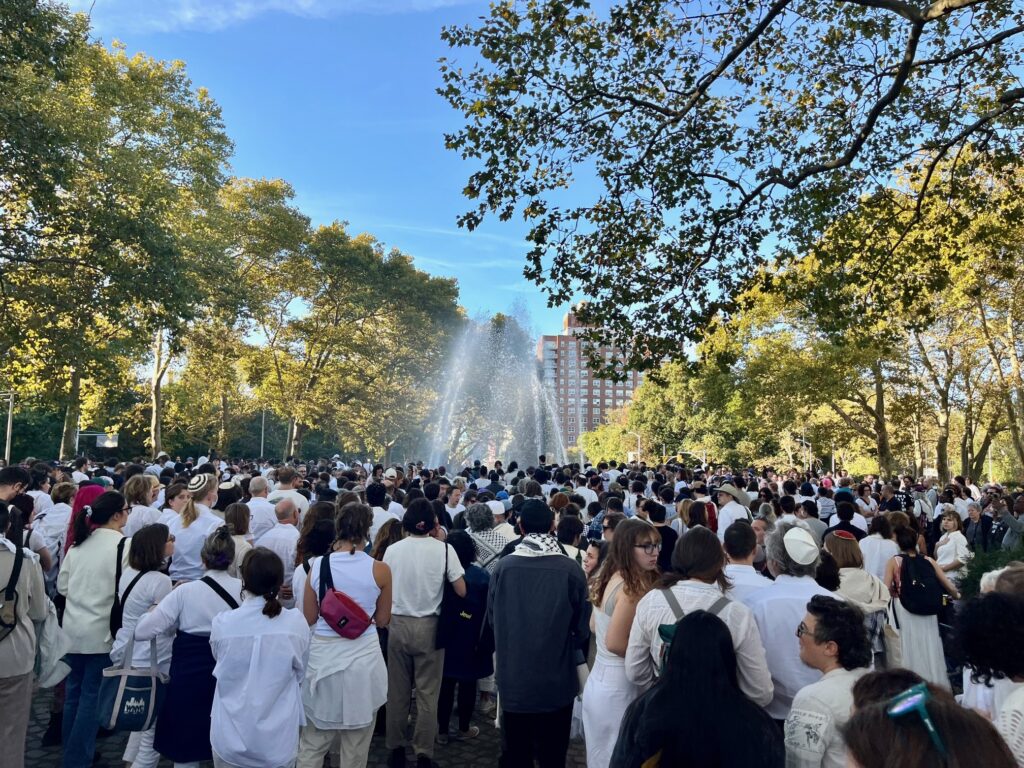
(920, 590)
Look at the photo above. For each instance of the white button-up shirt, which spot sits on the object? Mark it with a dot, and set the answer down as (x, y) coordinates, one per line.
(643, 654)
(877, 552)
(282, 540)
(257, 706)
(139, 518)
(187, 563)
(189, 608)
(261, 517)
(745, 582)
(813, 738)
(778, 610)
(729, 514)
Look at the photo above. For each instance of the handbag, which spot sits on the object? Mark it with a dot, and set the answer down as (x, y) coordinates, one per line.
(343, 614)
(449, 619)
(130, 698)
(892, 640)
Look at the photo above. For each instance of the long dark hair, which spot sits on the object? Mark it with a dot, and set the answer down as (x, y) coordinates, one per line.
(263, 575)
(106, 506)
(686, 728)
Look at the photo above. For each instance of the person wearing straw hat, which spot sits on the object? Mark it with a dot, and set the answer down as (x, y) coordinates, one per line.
(733, 505)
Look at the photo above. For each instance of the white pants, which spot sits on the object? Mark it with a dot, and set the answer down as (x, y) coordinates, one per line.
(353, 746)
(139, 751)
(605, 699)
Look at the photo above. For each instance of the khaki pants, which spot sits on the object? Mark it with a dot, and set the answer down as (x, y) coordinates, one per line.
(413, 662)
(353, 746)
(15, 703)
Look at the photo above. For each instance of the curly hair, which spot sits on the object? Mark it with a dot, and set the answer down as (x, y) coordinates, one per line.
(842, 623)
(989, 632)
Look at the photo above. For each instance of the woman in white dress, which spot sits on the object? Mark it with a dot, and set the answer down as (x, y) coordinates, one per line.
(952, 551)
(627, 574)
(920, 643)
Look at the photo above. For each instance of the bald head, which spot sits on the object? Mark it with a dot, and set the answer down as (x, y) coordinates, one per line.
(285, 511)
(258, 486)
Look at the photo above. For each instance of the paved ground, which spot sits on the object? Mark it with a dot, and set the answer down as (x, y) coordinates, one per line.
(476, 753)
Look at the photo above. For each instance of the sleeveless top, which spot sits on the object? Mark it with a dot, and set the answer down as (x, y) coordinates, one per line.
(602, 618)
(353, 575)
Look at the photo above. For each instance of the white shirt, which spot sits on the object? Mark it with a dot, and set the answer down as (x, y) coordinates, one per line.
(588, 494)
(189, 608)
(396, 509)
(282, 540)
(186, 564)
(79, 477)
(877, 552)
(53, 526)
(858, 520)
(745, 582)
(729, 514)
(952, 546)
(417, 572)
(301, 502)
(261, 517)
(643, 655)
(257, 706)
(41, 501)
(86, 578)
(380, 517)
(819, 711)
(139, 518)
(147, 593)
(778, 611)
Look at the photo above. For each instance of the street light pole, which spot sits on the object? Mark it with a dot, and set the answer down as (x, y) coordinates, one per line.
(263, 430)
(637, 436)
(10, 425)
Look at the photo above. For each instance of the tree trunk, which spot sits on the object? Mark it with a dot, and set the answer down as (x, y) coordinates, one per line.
(288, 437)
(942, 445)
(223, 432)
(882, 445)
(71, 418)
(156, 401)
(298, 434)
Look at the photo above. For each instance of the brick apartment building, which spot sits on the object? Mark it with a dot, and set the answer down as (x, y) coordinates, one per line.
(582, 399)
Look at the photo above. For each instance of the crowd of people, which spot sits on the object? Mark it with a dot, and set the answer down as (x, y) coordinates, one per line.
(665, 615)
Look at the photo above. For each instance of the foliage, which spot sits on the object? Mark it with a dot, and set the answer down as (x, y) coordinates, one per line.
(983, 562)
(701, 142)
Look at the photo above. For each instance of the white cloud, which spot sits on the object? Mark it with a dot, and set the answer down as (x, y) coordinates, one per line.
(118, 17)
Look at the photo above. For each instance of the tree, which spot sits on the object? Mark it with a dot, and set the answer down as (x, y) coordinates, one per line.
(125, 233)
(701, 142)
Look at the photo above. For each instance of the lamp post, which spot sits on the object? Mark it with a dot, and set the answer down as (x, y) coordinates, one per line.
(9, 397)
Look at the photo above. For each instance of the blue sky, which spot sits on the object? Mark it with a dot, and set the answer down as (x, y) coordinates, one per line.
(338, 98)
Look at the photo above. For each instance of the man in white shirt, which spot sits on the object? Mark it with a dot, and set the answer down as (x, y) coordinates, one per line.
(740, 547)
(282, 540)
(584, 490)
(288, 481)
(501, 525)
(834, 642)
(377, 498)
(733, 505)
(418, 567)
(79, 475)
(261, 512)
(793, 558)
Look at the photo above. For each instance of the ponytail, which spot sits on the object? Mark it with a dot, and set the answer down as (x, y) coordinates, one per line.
(107, 506)
(263, 575)
(199, 488)
(273, 606)
(11, 525)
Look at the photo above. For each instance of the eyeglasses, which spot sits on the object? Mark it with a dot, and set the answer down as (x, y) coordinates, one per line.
(802, 629)
(170, 539)
(915, 700)
(649, 549)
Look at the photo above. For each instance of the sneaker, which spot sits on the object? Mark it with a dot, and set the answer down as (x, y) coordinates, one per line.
(472, 733)
(487, 706)
(397, 758)
(442, 739)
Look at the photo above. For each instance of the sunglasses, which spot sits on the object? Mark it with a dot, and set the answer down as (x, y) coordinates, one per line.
(649, 549)
(915, 700)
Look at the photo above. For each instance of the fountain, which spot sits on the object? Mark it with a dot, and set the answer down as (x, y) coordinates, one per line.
(494, 404)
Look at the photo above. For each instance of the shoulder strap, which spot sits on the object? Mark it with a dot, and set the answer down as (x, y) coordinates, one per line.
(124, 597)
(12, 584)
(609, 603)
(120, 557)
(326, 577)
(561, 548)
(719, 605)
(227, 598)
(677, 609)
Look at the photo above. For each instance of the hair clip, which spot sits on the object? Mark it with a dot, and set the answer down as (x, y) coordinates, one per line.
(88, 511)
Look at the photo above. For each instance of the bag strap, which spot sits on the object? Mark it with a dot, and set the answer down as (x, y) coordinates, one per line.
(12, 585)
(326, 577)
(128, 591)
(225, 596)
(677, 609)
(719, 605)
(117, 569)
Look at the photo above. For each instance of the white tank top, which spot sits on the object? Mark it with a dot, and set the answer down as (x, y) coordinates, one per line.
(353, 575)
(602, 618)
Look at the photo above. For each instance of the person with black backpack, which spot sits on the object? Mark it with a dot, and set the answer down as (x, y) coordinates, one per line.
(22, 601)
(919, 588)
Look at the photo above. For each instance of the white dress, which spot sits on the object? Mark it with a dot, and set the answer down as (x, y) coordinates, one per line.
(921, 645)
(607, 695)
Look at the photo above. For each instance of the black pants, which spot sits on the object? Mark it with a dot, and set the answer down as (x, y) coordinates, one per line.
(445, 701)
(540, 736)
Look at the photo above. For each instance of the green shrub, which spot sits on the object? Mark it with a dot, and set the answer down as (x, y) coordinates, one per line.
(982, 563)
